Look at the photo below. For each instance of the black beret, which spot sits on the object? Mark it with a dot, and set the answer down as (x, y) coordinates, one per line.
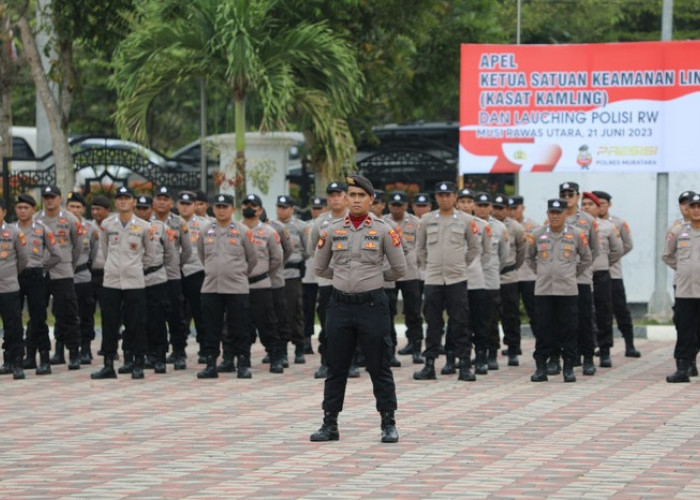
(685, 196)
(362, 182)
(26, 198)
(602, 195)
(515, 201)
(73, 196)
(100, 200)
(694, 200)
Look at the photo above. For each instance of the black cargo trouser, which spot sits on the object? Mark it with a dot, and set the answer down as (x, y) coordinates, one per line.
(263, 319)
(131, 306)
(11, 314)
(324, 297)
(527, 293)
(411, 295)
(687, 328)
(308, 301)
(86, 311)
(295, 321)
(620, 309)
(454, 299)
(156, 331)
(493, 299)
(179, 331)
(65, 310)
(32, 287)
(558, 323)
(192, 291)
(235, 308)
(510, 315)
(478, 318)
(365, 324)
(586, 336)
(602, 298)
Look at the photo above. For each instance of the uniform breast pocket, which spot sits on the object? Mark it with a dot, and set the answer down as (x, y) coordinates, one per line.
(543, 250)
(370, 252)
(684, 249)
(341, 253)
(432, 234)
(456, 234)
(567, 251)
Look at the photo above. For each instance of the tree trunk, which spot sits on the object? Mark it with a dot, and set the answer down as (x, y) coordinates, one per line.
(8, 68)
(240, 177)
(65, 177)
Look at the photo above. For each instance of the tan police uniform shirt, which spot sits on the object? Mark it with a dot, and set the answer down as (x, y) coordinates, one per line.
(446, 246)
(627, 245)
(500, 250)
(229, 257)
(610, 246)
(475, 271)
(277, 276)
(13, 257)
(517, 252)
(193, 264)
(164, 251)
(178, 232)
(42, 248)
(309, 274)
(89, 245)
(558, 259)
(682, 254)
(297, 235)
(269, 252)
(586, 223)
(408, 230)
(125, 249)
(525, 272)
(354, 258)
(321, 224)
(67, 230)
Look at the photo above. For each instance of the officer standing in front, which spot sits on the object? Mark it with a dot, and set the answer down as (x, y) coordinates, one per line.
(126, 244)
(558, 254)
(351, 252)
(447, 244)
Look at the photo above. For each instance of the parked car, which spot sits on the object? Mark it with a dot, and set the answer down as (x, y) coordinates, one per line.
(24, 148)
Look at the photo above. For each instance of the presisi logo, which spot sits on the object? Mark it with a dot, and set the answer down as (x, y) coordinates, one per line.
(628, 150)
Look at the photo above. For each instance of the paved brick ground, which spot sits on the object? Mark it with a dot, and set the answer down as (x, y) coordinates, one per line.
(624, 433)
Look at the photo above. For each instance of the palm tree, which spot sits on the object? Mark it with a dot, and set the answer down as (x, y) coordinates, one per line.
(292, 70)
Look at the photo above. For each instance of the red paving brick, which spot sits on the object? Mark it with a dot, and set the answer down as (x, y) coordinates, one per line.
(624, 433)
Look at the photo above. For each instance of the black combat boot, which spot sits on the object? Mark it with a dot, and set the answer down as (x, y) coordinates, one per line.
(58, 357)
(568, 371)
(427, 372)
(389, 432)
(308, 347)
(407, 349)
(553, 365)
(17, 370)
(299, 358)
(492, 359)
(322, 370)
(149, 362)
(605, 361)
(180, 360)
(85, 353)
(513, 356)
(29, 361)
(107, 371)
(588, 366)
(416, 352)
(681, 373)
(74, 358)
(449, 368)
(394, 361)
(692, 368)
(465, 371)
(630, 350)
(6, 367)
(329, 429)
(210, 371)
(128, 365)
(276, 362)
(159, 363)
(137, 372)
(266, 359)
(540, 374)
(170, 359)
(227, 365)
(244, 366)
(354, 371)
(481, 365)
(44, 367)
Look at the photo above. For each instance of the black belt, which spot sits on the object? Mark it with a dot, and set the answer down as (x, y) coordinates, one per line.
(32, 271)
(82, 267)
(152, 269)
(355, 298)
(294, 265)
(98, 272)
(259, 277)
(508, 269)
